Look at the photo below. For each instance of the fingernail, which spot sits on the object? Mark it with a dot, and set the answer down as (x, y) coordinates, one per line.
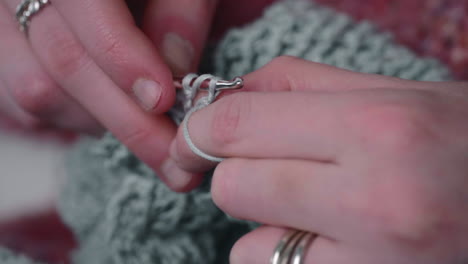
(176, 178)
(147, 92)
(178, 53)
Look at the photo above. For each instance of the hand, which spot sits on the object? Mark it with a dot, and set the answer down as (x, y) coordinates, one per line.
(86, 65)
(376, 166)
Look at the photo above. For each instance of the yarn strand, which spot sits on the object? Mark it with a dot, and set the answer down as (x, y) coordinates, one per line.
(191, 85)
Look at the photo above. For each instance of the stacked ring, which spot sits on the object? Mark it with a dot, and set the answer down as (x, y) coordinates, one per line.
(292, 247)
(26, 9)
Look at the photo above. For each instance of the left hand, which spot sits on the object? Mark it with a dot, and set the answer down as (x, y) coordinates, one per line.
(84, 65)
(376, 166)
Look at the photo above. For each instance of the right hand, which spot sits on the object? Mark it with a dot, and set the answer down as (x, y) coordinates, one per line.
(375, 166)
(85, 66)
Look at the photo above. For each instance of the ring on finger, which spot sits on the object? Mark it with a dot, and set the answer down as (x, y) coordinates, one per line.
(26, 9)
(292, 247)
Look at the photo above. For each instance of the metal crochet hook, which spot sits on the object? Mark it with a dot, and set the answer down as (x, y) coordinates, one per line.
(222, 85)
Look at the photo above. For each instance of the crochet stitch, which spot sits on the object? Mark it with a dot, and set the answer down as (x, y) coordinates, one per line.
(310, 31)
(121, 212)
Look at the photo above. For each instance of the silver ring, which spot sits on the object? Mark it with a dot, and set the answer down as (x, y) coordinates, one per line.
(292, 247)
(26, 10)
(299, 253)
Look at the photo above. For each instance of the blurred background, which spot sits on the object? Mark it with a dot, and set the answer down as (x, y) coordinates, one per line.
(31, 160)
(31, 171)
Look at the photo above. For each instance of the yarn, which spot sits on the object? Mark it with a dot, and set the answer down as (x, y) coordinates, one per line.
(121, 212)
(121, 222)
(8, 257)
(317, 33)
(191, 85)
(433, 27)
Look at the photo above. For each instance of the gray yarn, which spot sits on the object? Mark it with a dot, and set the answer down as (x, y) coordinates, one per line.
(8, 257)
(122, 216)
(191, 85)
(121, 212)
(316, 33)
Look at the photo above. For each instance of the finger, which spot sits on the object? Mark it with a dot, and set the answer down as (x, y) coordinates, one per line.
(292, 193)
(293, 74)
(31, 87)
(250, 125)
(230, 119)
(179, 28)
(258, 247)
(288, 73)
(71, 66)
(109, 35)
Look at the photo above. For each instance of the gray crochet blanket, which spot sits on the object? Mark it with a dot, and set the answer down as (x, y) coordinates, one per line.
(120, 211)
(8, 257)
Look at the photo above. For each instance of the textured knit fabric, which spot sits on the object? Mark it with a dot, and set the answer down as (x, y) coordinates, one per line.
(8, 257)
(122, 213)
(436, 28)
(313, 32)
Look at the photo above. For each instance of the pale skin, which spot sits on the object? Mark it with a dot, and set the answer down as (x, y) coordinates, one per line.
(376, 166)
(81, 65)
(83, 60)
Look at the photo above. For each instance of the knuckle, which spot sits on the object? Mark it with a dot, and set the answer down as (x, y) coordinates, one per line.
(420, 229)
(405, 214)
(111, 48)
(418, 223)
(65, 55)
(136, 137)
(123, 62)
(35, 95)
(395, 127)
(228, 118)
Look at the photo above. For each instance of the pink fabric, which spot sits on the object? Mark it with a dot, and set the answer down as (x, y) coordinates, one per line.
(437, 28)
(42, 237)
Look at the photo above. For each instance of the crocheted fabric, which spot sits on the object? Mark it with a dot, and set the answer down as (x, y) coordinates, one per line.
(319, 34)
(8, 257)
(431, 27)
(121, 212)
